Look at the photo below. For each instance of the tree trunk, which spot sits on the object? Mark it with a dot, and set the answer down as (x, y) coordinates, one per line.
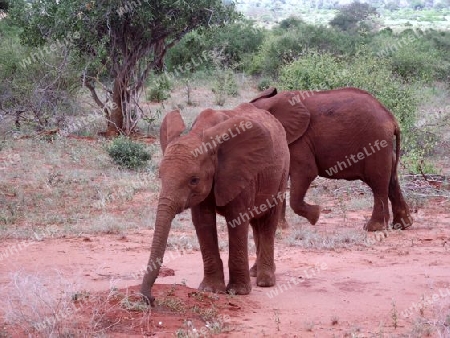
(164, 216)
(120, 100)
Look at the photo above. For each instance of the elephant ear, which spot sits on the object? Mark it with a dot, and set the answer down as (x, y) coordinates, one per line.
(209, 118)
(171, 128)
(288, 108)
(246, 149)
(272, 91)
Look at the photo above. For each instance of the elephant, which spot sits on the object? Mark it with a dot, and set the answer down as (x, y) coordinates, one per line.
(234, 163)
(342, 133)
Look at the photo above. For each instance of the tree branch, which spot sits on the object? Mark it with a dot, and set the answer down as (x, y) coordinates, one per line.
(94, 95)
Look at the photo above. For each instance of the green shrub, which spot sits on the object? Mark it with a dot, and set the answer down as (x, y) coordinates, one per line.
(317, 71)
(283, 46)
(224, 85)
(264, 83)
(235, 41)
(415, 55)
(291, 22)
(127, 153)
(159, 89)
(40, 91)
(350, 17)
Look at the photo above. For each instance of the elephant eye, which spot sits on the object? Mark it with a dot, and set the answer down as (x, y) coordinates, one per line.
(194, 180)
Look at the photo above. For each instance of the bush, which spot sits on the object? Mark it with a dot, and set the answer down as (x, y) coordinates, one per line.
(350, 16)
(159, 89)
(324, 71)
(224, 85)
(264, 84)
(236, 41)
(38, 90)
(283, 46)
(415, 55)
(127, 153)
(317, 71)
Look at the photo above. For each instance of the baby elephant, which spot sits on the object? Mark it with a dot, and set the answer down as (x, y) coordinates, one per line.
(234, 163)
(340, 134)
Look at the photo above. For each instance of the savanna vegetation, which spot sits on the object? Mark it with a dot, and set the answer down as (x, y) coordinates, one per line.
(84, 84)
(121, 56)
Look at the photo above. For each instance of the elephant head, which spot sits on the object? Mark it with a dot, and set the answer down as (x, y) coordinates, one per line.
(288, 108)
(218, 158)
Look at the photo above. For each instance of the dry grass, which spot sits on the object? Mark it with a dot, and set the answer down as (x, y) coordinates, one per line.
(308, 237)
(51, 306)
(40, 305)
(71, 186)
(64, 186)
(433, 321)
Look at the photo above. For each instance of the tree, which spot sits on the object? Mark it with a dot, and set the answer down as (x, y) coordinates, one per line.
(117, 42)
(4, 4)
(416, 4)
(393, 5)
(350, 16)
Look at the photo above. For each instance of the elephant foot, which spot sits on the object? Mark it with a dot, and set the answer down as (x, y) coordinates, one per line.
(239, 289)
(148, 298)
(374, 226)
(265, 279)
(402, 222)
(254, 270)
(212, 286)
(313, 214)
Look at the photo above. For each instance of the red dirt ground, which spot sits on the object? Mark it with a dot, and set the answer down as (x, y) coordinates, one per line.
(359, 291)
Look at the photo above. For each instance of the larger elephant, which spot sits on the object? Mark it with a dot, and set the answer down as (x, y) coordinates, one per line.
(234, 163)
(340, 134)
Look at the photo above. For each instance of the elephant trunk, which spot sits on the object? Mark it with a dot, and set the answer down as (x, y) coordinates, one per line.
(165, 214)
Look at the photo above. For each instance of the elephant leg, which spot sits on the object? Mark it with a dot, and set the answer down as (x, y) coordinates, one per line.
(380, 213)
(282, 223)
(303, 172)
(400, 210)
(239, 282)
(265, 228)
(204, 219)
(254, 268)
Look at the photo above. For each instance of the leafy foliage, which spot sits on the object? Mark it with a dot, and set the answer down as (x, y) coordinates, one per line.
(224, 85)
(415, 55)
(283, 46)
(4, 5)
(127, 153)
(350, 16)
(38, 89)
(317, 71)
(264, 84)
(235, 41)
(159, 89)
(119, 42)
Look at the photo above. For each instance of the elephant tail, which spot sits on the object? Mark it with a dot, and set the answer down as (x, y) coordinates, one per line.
(397, 146)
